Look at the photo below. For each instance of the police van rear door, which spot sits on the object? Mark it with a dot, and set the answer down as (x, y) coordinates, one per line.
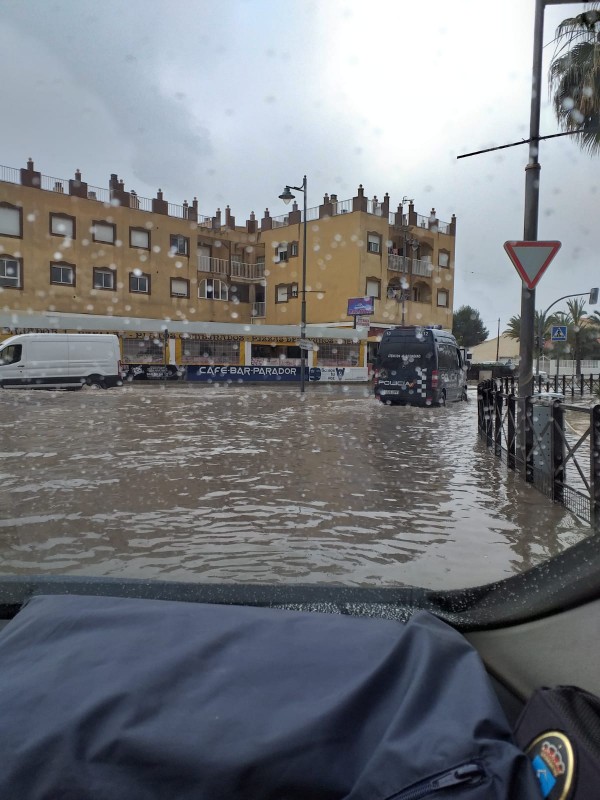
(405, 365)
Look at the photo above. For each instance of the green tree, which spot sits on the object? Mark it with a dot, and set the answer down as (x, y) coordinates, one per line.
(574, 78)
(583, 331)
(468, 327)
(513, 329)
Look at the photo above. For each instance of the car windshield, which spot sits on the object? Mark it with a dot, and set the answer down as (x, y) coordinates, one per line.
(210, 216)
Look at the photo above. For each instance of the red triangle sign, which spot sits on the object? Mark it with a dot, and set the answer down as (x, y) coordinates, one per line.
(531, 259)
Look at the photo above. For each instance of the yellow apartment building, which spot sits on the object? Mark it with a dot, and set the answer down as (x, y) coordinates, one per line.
(69, 247)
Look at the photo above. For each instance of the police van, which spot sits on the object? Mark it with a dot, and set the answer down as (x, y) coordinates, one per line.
(420, 365)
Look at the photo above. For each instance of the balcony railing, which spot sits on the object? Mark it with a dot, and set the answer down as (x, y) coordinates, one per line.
(424, 268)
(259, 309)
(398, 263)
(248, 272)
(218, 266)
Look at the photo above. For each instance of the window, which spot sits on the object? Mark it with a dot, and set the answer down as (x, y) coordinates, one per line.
(444, 258)
(337, 355)
(373, 243)
(213, 289)
(282, 253)
(146, 350)
(10, 273)
(282, 293)
(11, 354)
(373, 288)
(139, 237)
(293, 249)
(180, 287)
(104, 232)
(442, 298)
(62, 273)
(180, 245)
(139, 282)
(104, 278)
(11, 220)
(447, 356)
(62, 225)
(203, 253)
(209, 351)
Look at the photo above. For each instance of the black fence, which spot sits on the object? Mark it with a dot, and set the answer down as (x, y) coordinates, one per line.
(569, 385)
(558, 452)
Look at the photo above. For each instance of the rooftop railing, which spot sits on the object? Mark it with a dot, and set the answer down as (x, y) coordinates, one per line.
(102, 195)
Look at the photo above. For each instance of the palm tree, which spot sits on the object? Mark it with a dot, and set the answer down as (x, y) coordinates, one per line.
(574, 78)
(513, 330)
(584, 330)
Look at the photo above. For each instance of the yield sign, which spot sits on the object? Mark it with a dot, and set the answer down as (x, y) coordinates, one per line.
(531, 259)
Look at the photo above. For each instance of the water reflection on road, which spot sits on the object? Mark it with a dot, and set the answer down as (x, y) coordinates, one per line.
(253, 484)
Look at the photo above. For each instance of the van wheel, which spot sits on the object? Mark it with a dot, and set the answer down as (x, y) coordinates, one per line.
(94, 382)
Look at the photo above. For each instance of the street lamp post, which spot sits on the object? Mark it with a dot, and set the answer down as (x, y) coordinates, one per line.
(530, 223)
(287, 197)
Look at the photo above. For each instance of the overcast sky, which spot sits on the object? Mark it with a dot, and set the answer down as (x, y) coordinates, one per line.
(229, 101)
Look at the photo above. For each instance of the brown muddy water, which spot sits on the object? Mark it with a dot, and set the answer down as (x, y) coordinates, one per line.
(254, 484)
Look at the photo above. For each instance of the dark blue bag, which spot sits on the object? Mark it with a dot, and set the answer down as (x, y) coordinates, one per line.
(106, 698)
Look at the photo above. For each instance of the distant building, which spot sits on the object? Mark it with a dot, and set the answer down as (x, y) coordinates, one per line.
(489, 350)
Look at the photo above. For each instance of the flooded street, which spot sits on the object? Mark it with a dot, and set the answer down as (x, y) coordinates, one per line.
(254, 484)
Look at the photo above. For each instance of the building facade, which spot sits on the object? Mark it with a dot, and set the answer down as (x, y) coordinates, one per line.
(79, 251)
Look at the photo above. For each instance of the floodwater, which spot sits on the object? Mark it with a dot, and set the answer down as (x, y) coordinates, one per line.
(256, 484)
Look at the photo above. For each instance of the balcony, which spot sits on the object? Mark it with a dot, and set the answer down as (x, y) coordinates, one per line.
(423, 268)
(259, 310)
(398, 263)
(247, 272)
(216, 266)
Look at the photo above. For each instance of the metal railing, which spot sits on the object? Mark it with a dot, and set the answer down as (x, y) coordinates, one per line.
(568, 385)
(249, 272)
(424, 268)
(98, 193)
(10, 175)
(375, 207)
(13, 175)
(50, 184)
(392, 218)
(398, 263)
(259, 309)
(219, 266)
(560, 454)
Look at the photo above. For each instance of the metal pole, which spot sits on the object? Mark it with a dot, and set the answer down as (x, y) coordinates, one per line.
(532, 191)
(498, 343)
(530, 227)
(303, 307)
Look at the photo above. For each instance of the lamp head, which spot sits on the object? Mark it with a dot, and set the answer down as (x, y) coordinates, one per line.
(286, 195)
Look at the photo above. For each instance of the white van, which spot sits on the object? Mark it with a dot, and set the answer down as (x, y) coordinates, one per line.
(60, 361)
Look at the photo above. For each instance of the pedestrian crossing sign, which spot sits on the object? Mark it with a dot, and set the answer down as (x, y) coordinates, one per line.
(559, 333)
